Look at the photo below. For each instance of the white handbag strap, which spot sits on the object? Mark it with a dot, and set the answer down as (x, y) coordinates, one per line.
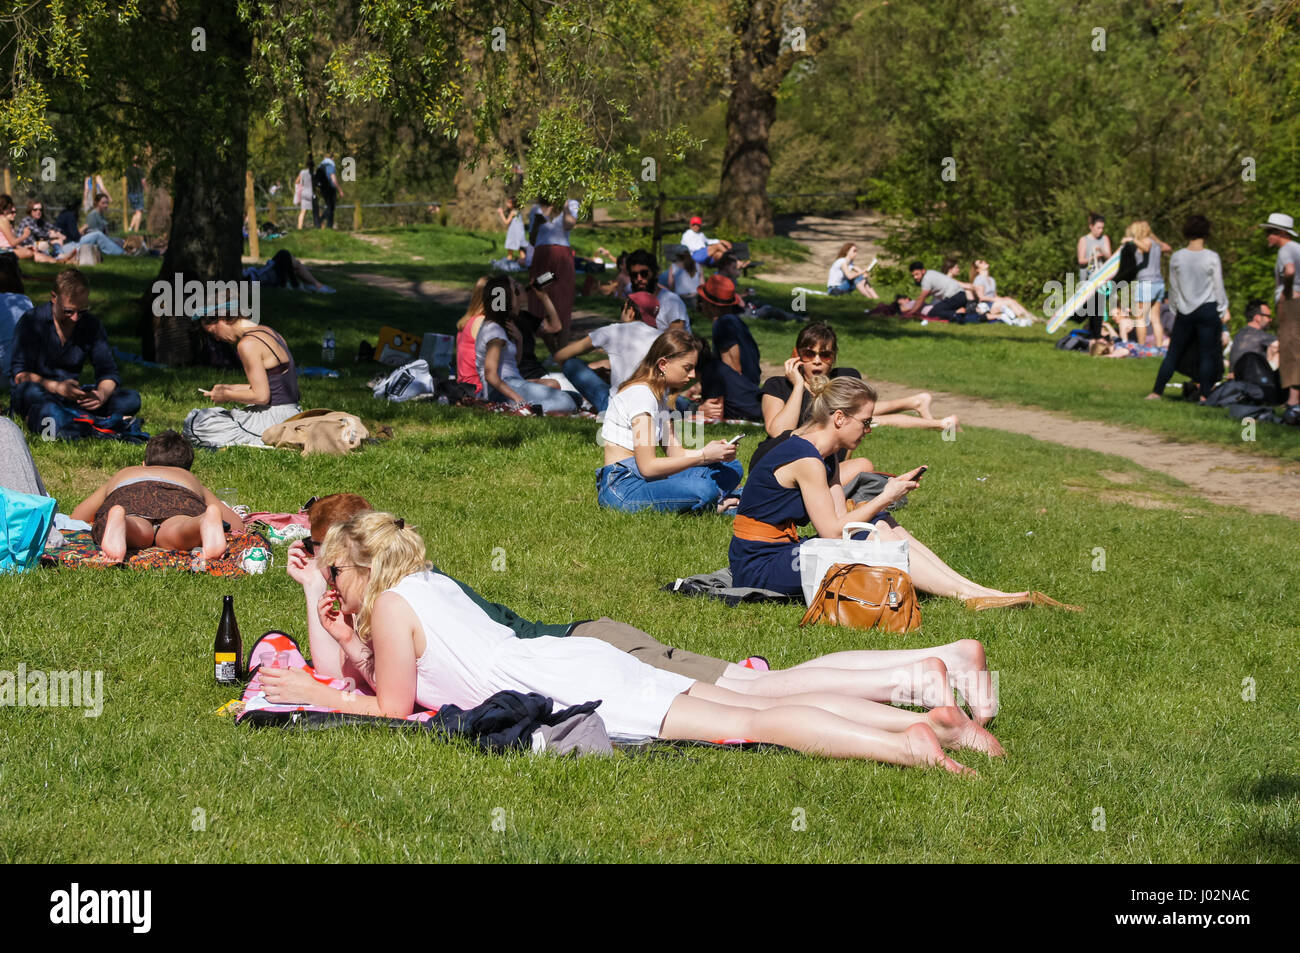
(855, 527)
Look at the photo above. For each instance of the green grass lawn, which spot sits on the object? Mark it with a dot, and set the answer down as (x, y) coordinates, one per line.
(1135, 707)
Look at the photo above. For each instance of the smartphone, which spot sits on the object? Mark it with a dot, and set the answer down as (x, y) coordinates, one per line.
(920, 473)
(736, 439)
(544, 279)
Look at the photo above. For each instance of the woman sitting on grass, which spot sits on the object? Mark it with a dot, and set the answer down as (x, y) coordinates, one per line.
(1000, 307)
(844, 276)
(637, 423)
(797, 481)
(271, 394)
(467, 329)
(422, 640)
(787, 401)
(499, 344)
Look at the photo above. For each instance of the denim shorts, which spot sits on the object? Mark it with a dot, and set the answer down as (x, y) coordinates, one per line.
(1148, 291)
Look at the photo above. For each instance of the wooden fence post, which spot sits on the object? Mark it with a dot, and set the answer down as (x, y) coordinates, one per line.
(251, 208)
(657, 240)
(126, 208)
(9, 189)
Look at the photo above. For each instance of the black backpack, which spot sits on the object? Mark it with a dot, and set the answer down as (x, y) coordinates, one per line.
(321, 180)
(1252, 368)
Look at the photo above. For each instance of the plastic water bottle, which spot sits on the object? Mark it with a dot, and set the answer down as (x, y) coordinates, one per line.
(327, 348)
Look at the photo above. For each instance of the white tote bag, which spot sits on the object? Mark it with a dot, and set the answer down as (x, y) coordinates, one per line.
(406, 383)
(817, 556)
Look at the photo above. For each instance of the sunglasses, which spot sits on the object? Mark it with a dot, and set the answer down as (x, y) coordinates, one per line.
(808, 354)
(641, 272)
(74, 312)
(334, 573)
(311, 546)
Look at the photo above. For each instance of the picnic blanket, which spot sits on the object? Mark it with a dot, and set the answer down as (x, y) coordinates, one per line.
(507, 720)
(79, 551)
(717, 585)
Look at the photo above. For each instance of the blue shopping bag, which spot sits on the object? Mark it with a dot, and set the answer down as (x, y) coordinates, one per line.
(27, 521)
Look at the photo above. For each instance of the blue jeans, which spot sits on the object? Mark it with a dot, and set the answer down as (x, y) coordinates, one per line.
(29, 401)
(550, 398)
(590, 384)
(106, 244)
(620, 486)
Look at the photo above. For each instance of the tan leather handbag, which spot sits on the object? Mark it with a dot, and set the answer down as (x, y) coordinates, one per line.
(865, 597)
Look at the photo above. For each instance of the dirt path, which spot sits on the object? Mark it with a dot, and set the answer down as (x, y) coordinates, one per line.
(1218, 474)
(824, 236)
(1228, 477)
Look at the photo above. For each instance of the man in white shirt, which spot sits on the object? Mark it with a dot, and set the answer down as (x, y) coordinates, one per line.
(626, 343)
(702, 248)
(643, 275)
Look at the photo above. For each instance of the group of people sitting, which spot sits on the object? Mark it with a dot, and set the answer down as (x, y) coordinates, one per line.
(36, 238)
(47, 347)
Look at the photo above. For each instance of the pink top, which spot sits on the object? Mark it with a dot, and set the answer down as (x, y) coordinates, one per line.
(466, 368)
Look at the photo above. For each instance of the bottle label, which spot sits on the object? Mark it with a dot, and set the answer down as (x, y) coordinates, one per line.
(226, 668)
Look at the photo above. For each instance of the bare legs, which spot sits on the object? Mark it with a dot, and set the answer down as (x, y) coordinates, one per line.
(931, 574)
(1157, 329)
(122, 532)
(302, 214)
(893, 413)
(305, 275)
(921, 677)
(812, 730)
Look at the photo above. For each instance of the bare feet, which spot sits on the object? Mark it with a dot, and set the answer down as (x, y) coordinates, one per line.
(212, 533)
(922, 407)
(113, 545)
(1152, 397)
(924, 684)
(951, 422)
(955, 731)
(727, 503)
(976, 686)
(923, 749)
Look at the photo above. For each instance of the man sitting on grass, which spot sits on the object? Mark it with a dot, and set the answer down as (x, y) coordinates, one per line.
(51, 344)
(732, 376)
(158, 504)
(922, 676)
(626, 343)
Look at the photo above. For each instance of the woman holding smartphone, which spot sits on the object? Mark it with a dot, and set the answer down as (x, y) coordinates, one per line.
(797, 481)
(637, 423)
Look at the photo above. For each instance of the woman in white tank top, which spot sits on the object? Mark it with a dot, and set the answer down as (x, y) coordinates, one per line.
(419, 639)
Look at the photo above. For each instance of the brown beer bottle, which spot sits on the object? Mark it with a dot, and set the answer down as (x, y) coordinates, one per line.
(228, 652)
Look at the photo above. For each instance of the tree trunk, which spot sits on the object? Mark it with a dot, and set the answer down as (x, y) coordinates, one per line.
(211, 155)
(743, 205)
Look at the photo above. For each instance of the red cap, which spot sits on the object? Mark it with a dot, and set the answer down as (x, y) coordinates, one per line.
(696, 220)
(720, 290)
(646, 305)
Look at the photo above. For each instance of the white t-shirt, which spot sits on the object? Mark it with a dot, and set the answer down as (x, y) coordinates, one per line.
(836, 274)
(1288, 253)
(694, 240)
(987, 284)
(551, 231)
(685, 284)
(507, 368)
(624, 407)
(626, 343)
(671, 308)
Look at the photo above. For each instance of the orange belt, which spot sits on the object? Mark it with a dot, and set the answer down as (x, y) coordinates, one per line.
(757, 531)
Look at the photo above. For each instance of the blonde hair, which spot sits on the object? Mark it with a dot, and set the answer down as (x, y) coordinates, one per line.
(1100, 347)
(382, 543)
(844, 394)
(1141, 233)
(672, 344)
(475, 308)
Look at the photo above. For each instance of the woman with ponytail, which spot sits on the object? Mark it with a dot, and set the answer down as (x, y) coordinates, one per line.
(637, 423)
(797, 481)
(417, 638)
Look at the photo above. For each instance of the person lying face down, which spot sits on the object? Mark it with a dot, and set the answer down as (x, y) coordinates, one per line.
(921, 676)
(158, 504)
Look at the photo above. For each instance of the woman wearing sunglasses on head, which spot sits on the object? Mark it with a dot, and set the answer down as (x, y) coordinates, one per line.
(798, 481)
